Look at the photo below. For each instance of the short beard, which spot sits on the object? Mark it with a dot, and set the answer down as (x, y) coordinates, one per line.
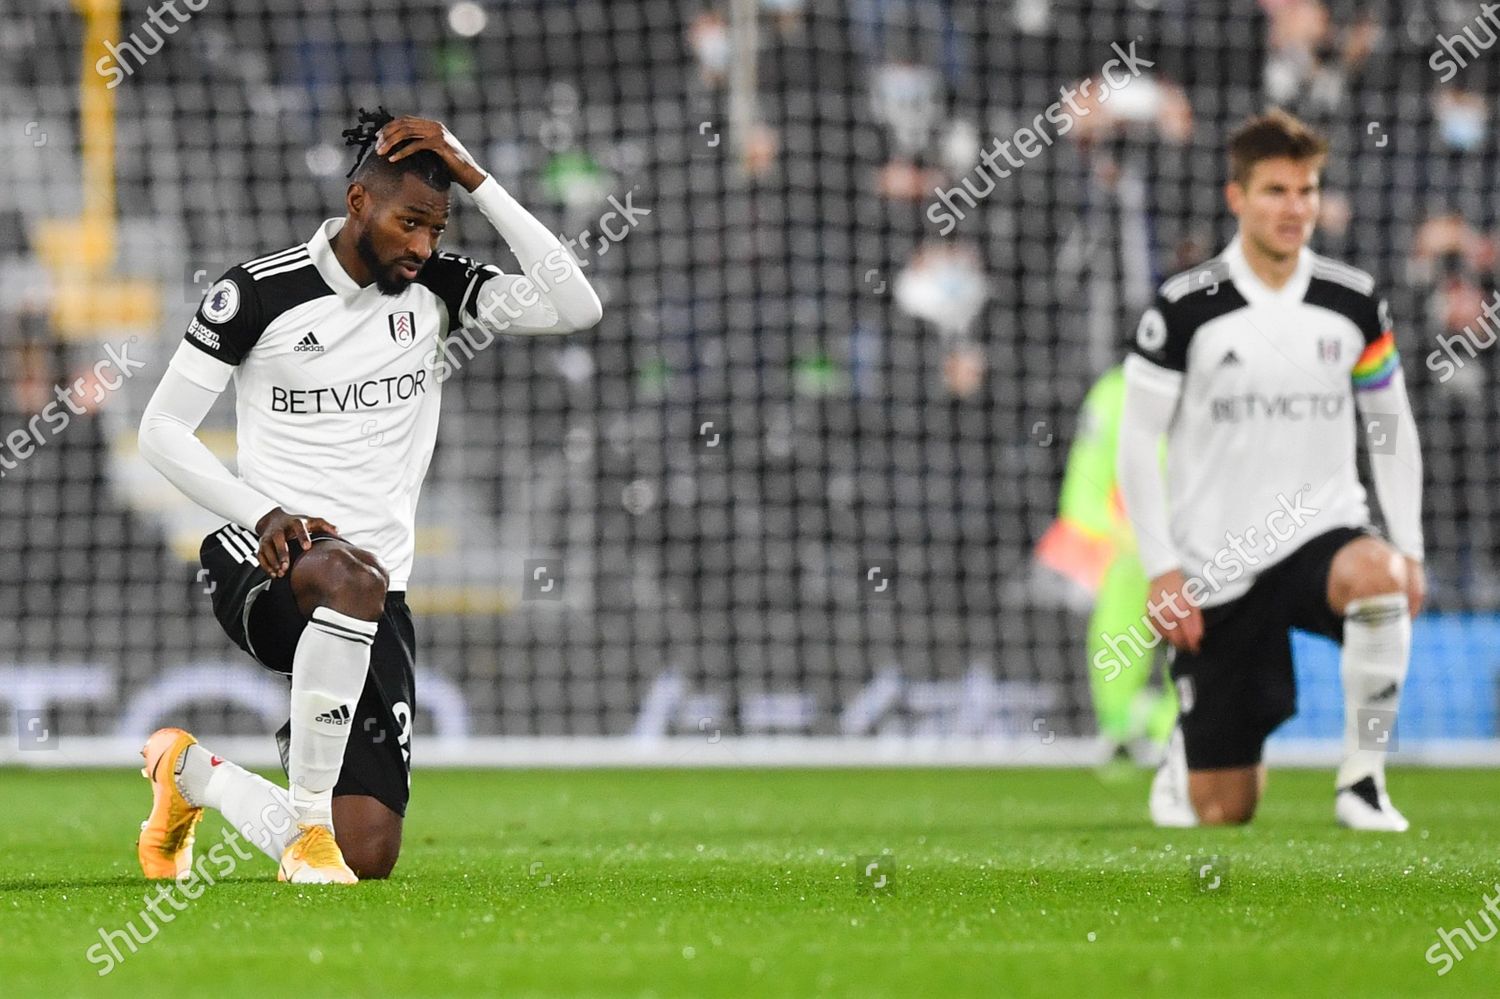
(387, 283)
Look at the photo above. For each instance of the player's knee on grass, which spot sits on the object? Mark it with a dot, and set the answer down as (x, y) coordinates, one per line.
(1223, 810)
(1225, 797)
(372, 859)
(340, 577)
(1365, 567)
(368, 834)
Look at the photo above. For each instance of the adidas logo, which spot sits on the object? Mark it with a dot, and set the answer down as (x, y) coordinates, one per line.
(309, 345)
(1229, 358)
(338, 716)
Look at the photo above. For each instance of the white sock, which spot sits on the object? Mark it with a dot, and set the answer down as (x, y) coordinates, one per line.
(1171, 800)
(1377, 650)
(258, 809)
(328, 675)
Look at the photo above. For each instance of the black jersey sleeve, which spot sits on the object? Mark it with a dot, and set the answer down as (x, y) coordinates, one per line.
(229, 320)
(1160, 339)
(456, 280)
(1183, 305)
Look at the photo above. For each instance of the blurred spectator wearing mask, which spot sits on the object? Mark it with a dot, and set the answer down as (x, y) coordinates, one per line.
(944, 285)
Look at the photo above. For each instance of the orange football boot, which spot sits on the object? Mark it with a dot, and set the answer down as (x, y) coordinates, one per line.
(166, 844)
(314, 858)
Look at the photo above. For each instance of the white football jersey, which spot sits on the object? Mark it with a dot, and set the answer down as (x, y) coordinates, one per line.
(336, 392)
(1261, 449)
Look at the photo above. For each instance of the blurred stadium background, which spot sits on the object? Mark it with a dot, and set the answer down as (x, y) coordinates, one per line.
(782, 505)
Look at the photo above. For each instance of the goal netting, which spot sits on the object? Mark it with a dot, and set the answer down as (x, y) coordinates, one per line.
(783, 503)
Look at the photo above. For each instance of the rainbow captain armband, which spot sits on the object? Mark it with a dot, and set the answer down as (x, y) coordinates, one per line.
(1377, 365)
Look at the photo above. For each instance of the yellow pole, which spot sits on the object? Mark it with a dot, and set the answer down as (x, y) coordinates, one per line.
(88, 298)
(97, 122)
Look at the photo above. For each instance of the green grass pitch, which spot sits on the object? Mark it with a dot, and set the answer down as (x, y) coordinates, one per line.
(715, 883)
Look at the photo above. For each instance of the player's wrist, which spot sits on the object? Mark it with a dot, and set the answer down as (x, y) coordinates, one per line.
(470, 178)
(488, 190)
(1172, 575)
(264, 522)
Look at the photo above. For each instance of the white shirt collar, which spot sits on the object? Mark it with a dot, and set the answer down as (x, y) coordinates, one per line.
(1254, 289)
(321, 250)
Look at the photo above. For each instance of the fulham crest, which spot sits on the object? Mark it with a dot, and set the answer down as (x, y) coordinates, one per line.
(403, 328)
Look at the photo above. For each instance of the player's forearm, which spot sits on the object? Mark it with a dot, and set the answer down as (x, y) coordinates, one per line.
(1396, 463)
(557, 278)
(177, 453)
(169, 442)
(1150, 398)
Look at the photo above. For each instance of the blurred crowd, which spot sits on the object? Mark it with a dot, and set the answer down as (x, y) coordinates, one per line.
(1405, 92)
(885, 382)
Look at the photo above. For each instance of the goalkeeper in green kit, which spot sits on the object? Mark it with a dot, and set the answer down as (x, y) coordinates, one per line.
(1091, 544)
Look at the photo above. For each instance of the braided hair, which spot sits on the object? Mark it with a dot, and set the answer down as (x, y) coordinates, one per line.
(427, 165)
(363, 134)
